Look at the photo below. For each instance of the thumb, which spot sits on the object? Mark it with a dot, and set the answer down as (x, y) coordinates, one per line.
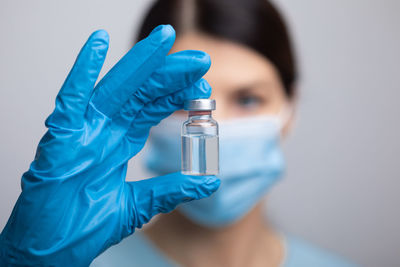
(162, 194)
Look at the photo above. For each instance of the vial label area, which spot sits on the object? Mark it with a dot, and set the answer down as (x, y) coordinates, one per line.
(200, 155)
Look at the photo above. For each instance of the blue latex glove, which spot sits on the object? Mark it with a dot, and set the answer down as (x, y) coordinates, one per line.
(75, 202)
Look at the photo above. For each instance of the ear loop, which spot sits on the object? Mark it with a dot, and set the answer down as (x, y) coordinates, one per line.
(285, 115)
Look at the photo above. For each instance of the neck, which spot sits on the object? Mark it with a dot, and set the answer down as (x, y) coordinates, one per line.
(247, 242)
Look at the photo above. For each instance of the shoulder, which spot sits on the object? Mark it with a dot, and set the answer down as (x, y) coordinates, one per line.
(303, 253)
(135, 250)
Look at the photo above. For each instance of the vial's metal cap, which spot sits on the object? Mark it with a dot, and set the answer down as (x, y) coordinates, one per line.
(199, 104)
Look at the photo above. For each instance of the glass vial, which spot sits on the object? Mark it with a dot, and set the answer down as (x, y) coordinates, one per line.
(200, 145)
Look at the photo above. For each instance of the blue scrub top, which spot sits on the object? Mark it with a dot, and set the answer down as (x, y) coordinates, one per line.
(137, 250)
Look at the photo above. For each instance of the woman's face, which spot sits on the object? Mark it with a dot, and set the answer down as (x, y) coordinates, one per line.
(244, 83)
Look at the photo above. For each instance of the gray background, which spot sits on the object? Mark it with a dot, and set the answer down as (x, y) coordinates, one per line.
(341, 187)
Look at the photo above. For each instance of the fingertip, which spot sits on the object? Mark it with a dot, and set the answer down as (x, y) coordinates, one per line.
(209, 179)
(100, 36)
(200, 89)
(202, 60)
(164, 34)
(205, 60)
(98, 43)
(213, 182)
(204, 88)
(185, 67)
(168, 30)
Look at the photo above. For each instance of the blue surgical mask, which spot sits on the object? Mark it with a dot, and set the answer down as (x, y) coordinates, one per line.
(251, 161)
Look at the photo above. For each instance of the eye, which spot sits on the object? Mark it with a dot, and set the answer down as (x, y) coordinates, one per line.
(250, 102)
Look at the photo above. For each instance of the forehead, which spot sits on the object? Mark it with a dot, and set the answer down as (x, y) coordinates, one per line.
(232, 64)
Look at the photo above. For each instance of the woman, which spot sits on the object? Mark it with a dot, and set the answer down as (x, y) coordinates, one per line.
(75, 202)
(253, 76)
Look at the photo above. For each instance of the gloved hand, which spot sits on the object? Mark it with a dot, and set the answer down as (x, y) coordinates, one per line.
(75, 202)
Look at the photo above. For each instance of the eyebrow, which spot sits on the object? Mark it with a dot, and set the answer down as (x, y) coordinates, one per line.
(257, 84)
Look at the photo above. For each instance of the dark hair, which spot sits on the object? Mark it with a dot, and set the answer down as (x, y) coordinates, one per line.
(254, 23)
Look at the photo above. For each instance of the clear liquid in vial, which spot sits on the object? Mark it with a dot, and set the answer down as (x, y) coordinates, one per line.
(200, 155)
